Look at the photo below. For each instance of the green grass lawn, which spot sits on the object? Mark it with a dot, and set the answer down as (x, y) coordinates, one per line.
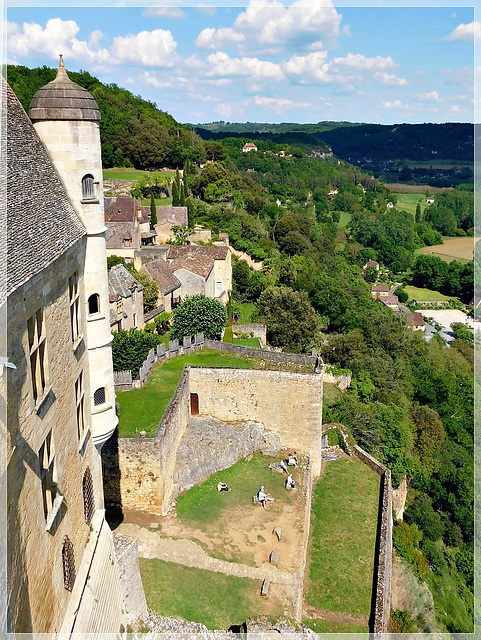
(214, 599)
(408, 202)
(203, 505)
(343, 537)
(331, 393)
(159, 202)
(326, 626)
(344, 220)
(142, 409)
(247, 342)
(425, 295)
(128, 173)
(247, 309)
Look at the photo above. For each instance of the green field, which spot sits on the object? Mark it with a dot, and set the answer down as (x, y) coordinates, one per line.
(127, 173)
(212, 598)
(343, 538)
(159, 202)
(425, 295)
(142, 409)
(326, 626)
(344, 220)
(408, 202)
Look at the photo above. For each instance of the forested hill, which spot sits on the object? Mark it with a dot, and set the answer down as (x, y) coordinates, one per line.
(134, 132)
(353, 141)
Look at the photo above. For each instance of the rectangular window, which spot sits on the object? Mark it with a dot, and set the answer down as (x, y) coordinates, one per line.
(218, 288)
(46, 456)
(135, 320)
(79, 401)
(133, 295)
(38, 354)
(127, 243)
(74, 305)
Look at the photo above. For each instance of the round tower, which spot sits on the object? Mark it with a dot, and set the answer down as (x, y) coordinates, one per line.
(66, 119)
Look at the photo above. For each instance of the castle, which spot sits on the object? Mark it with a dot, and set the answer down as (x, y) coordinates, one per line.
(63, 574)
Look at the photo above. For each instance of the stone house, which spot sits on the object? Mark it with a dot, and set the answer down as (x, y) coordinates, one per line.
(390, 301)
(126, 300)
(249, 146)
(379, 291)
(200, 269)
(168, 217)
(128, 226)
(61, 405)
(169, 285)
(415, 321)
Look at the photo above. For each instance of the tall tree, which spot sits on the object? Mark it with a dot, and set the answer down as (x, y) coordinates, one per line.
(153, 211)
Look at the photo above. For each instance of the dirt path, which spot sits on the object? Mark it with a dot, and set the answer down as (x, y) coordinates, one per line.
(334, 616)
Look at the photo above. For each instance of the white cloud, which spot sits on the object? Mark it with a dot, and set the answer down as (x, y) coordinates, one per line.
(397, 104)
(163, 12)
(466, 32)
(220, 64)
(360, 62)
(389, 79)
(217, 38)
(308, 69)
(206, 9)
(270, 26)
(279, 104)
(432, 95)
(58, 36)
(150, 48)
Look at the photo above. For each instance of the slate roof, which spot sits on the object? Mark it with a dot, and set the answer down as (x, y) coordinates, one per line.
(196, 258)
(41, 221)
(120, 208)
(117, 232)
(62, 99)
(122, 283)
(161, 272)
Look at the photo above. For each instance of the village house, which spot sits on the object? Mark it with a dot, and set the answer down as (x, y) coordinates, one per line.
(202, 269)
(63, 574)
(169, 285)
(168, 217)
(126, 300)
(128, 226)
(390, 301)
(379, 291)
(415, 321)
(249, 146)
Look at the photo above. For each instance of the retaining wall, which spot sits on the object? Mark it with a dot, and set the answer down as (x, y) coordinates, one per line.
(383, 567)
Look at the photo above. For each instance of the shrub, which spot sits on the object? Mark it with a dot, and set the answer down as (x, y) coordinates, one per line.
(130, 349)
(198, 314)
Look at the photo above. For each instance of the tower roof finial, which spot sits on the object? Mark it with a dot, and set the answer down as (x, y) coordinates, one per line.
(60, 63)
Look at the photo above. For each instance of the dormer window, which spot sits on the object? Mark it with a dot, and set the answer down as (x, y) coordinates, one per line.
(88, 192)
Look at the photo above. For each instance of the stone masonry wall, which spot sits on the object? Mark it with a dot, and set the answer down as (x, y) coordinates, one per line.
(127, 553)
(383, 566)
(289, 404)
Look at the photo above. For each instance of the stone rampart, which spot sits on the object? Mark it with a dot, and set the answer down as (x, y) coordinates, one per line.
(289, 404)
(383, 564)
(127, 553)
(299, 361)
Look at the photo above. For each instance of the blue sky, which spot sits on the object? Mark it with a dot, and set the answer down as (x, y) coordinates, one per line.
(266, 60)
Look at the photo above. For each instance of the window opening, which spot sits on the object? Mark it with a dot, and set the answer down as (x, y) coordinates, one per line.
(88, 192)
(68, 562)
(38, 355)
(88, 494)
(99, 396)
(94, 303)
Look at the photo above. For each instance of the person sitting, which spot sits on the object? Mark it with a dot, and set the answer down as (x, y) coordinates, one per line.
(292, 459)
(264, 497)
(283, 466)
(290, 484)
(222, 487)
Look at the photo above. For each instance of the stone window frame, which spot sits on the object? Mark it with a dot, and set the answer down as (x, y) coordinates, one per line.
(100, 396)
(88, 495)
(51, 496)
(68, 564)
(88, 190)
(74, 300)
(37, 345)
(93, 304)
(80, 406)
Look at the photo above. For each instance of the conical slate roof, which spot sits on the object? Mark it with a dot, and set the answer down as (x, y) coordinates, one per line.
(62, 99)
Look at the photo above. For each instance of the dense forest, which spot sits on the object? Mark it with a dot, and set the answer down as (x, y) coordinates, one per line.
(315, 220)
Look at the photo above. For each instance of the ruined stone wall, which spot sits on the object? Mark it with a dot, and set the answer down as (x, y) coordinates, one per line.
(127, 553)
(277, 358)
(256, 329)
(289, 404)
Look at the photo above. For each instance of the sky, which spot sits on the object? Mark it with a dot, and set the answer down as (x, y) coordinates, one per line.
(266, 60)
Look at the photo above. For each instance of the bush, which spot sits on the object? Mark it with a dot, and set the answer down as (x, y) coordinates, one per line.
(198, 314)
(130, 349)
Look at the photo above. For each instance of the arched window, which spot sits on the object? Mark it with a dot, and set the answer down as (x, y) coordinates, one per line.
(94, 303)
(88, 494)
(99, 396)
(68, 562)
(88, 192)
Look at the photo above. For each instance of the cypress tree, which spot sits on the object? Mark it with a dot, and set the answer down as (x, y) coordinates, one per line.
(176, 190)
(153, 211)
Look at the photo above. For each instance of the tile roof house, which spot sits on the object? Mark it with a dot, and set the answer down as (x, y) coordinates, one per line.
(128, 226)
(249, 146)
(415, 321)
(379, 291)
(169, 285)
(126, 300)
(201, 269)
(168, 217)
(390, 301)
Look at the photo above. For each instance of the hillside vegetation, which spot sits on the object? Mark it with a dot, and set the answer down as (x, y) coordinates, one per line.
(410, 403)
